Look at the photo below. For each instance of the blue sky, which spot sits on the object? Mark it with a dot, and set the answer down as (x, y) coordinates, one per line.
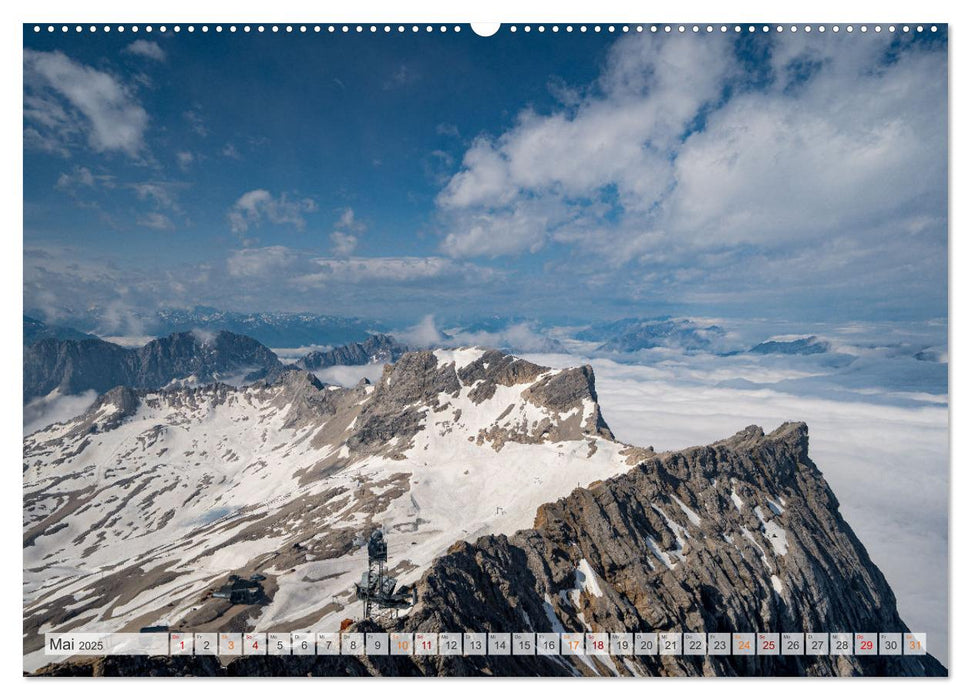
(549, 176)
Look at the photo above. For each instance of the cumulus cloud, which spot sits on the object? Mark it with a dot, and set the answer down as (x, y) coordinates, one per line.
(155, 220)
(708, 181)
(344, 239)
(342, 244)
(146, 49)
(256, 206)
(622, 138)
(161, 194)
(66, 100)
(79, 177)
(401, 269)
(424, 334)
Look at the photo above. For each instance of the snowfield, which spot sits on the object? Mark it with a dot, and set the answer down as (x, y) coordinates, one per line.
(130, 520)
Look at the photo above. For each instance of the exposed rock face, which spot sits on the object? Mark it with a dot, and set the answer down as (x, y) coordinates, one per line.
(741, 536)
(75, 366)
(376, 348)
(152, 497)
(132, 511)
(425, 383)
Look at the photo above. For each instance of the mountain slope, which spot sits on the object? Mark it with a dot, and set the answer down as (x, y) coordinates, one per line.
(376, 348)
(75, 366)
(35, 330)
(134, 511)
(740, 536)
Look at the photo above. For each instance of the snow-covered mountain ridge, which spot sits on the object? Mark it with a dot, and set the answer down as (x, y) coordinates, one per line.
(135, 509)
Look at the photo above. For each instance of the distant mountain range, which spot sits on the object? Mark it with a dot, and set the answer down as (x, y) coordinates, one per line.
(376, 348)
(808, 345)
(634, 334)
(277, 329)
(73, 366)
(35, 330)
(508, 504)
(76, 366)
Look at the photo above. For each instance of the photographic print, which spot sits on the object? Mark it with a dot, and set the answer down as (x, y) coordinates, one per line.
(570, 350)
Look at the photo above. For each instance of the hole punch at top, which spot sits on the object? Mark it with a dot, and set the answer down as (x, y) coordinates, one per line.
(485, 28)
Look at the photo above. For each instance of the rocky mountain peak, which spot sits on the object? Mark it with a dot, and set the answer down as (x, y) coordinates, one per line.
(508, 505)
(513, 400)
(741, 535)
(186, 358)
(378, 347)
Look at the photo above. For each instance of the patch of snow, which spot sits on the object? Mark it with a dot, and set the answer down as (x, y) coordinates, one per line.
(462, 357)
(736, 500)
(774, 533)
(692, 516)
(751, 538)
(659, 553)
(587, 579)
(555, 624)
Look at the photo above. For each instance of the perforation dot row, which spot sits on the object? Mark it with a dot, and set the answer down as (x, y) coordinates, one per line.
(289, 28)
(387, 28)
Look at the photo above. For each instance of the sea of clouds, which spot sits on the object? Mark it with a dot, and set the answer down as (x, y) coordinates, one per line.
(883, 451)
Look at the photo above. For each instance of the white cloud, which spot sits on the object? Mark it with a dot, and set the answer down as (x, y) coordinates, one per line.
(155, 220)
(342, 244)
(262, 262)
(677, 162)
(80, 177)
(65, 99)
(184, 159)
(350, 375)
(447, 129)
(196, 122)
(162, 195)
(887, 464)
(55, 408)
(305, 271)
(402, 76)
(621, 137)
(389, 269)
(424, 334)
(520, 227)
(255, 206)
(856, 144)
(146, 49)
